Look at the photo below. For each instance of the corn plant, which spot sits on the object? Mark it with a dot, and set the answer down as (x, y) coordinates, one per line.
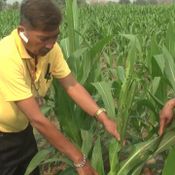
(5, 27)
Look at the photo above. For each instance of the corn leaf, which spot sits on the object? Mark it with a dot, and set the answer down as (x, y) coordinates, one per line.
(36, 161)
(68, 171)
(160, 62)
(104, 89)
(169, 68)
(87, 140)
(169, 167)
(121, 73)
(170, 37)
(140, 153)
(167, 141)
(72, 19)
(97, 159)
(64, 43)
(114, 149)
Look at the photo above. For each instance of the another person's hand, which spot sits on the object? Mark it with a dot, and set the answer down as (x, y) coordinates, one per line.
(166, 115)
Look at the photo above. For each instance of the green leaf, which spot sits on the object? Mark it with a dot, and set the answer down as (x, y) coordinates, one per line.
(114, 149)
(140, 153)
(155, 84)
(133, 41)
(79, 52)
(137, 170)
(170, 37)
(97, 159)
(104, 89)
(87, 140)
(121, 73)
(147, 103)
(37, 159)
(65, 47)
(167, 141)
(93, 58)
(158, 101)
(169, 163)
(72, 21)
(68, 171)
(160, 62)
(134, 50)
(65, 111)
(154, 50)
(45, 109)
(169, 68)
(127, 95)
(97, 48)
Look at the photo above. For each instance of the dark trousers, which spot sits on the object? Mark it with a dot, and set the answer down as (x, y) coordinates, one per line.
(16, 151)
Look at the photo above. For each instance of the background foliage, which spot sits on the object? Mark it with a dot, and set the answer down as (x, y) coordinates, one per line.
(124, 56)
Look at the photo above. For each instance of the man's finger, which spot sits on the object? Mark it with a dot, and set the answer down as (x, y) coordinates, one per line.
(162, 126)
(168, 121)
(117, 135)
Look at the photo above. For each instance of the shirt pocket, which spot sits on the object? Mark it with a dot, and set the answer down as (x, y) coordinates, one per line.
(44, 85)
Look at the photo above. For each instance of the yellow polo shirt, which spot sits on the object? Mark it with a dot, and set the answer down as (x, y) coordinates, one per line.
(15, 80)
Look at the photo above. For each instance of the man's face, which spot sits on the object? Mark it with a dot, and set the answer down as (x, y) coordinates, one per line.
(40, 42)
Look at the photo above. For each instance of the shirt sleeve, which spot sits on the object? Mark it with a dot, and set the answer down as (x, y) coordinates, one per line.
(60, 68)
(13, 85)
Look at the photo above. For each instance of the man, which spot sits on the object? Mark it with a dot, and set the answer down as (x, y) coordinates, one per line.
(32, 56)
(166, 115)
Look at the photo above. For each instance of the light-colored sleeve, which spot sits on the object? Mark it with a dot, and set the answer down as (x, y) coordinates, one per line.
(60, 66)
(13, 86)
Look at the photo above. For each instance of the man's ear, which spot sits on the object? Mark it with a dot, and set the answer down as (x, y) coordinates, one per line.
(21, 32)
(23, 37)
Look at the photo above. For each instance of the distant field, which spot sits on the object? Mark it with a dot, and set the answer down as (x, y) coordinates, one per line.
(99, 21)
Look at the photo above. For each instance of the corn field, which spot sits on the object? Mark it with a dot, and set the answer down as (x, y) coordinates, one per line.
(124, 55)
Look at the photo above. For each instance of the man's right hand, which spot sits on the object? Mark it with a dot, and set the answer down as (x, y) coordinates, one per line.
(166, 115)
